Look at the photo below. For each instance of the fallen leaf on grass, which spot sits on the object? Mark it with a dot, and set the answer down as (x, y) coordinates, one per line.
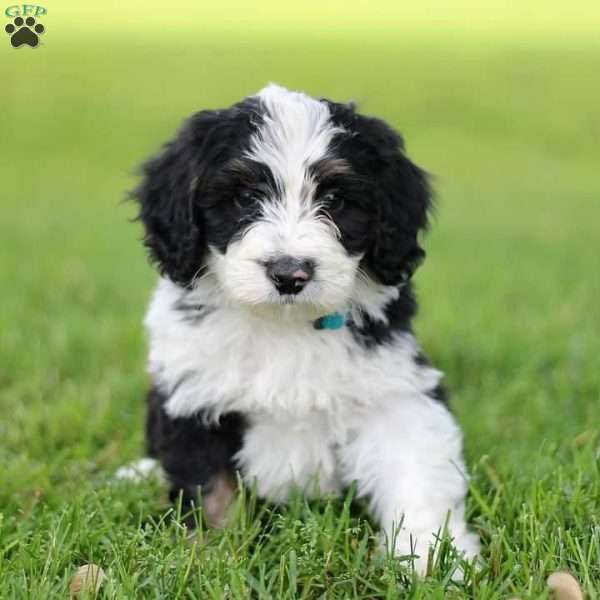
(564, 586)
(584, 437)
(88, 578)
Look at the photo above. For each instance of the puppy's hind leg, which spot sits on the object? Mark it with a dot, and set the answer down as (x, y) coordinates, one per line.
(197, 458)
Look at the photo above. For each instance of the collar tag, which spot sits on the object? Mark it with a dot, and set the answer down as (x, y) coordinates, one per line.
(332, 321)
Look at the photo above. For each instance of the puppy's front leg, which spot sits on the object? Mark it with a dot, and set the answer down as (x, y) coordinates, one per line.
(406, 457)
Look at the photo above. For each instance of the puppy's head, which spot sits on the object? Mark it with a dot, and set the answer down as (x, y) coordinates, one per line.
(284, 199)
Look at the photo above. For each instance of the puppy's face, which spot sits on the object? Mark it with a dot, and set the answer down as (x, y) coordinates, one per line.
(286, 223)
(285, 199)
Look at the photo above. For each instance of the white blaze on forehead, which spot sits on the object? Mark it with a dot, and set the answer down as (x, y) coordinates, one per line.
(296, 132)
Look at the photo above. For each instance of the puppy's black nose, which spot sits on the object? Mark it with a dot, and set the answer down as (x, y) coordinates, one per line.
(289, 274)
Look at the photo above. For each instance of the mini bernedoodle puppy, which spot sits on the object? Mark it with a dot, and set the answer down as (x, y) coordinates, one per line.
(286, 230)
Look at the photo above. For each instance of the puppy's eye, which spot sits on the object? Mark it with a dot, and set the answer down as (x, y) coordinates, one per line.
(333, 202)
(245, 200)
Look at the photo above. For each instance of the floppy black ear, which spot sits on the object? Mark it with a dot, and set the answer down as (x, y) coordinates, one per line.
(403, 199)
(169, 193)
(173, 224)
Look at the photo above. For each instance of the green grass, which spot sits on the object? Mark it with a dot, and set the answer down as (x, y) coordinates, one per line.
(509, 306)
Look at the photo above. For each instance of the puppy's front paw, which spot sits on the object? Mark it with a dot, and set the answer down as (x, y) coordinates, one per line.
(418, 546)
(468, 545)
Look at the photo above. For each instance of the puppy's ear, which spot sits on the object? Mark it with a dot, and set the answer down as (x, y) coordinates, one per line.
(403, 199)
(168, 198)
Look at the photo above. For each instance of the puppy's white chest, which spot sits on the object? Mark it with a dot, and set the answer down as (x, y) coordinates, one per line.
(229, 362)
(223, 360)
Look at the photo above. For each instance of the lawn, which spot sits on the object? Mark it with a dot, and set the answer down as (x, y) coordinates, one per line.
(506, 118)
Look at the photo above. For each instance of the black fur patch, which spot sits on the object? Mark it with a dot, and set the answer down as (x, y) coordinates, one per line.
(191, 453)
(342, 194)
(399, 314)
(231, 200)
(439, 392)
(395, 192)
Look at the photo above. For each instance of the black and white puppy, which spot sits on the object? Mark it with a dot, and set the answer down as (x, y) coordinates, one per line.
(286, 231)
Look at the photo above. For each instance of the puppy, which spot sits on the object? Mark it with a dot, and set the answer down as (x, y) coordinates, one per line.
(286, 230)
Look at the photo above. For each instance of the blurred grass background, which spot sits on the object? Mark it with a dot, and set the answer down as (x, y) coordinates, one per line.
(499, 101)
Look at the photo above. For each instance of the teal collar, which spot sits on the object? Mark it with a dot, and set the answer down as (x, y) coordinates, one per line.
(332, 321)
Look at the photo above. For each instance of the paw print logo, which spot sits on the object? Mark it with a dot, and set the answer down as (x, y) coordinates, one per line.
(24, 32)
